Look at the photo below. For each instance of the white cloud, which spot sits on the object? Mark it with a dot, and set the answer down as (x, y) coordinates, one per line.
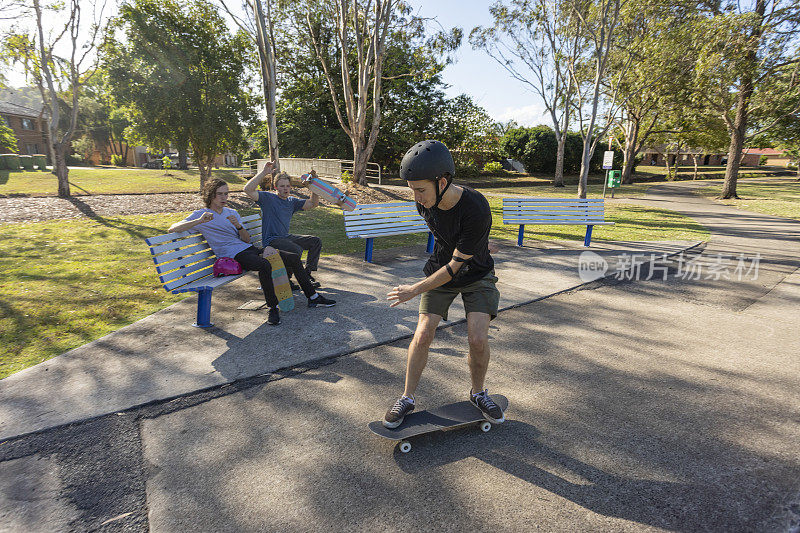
(529, 115)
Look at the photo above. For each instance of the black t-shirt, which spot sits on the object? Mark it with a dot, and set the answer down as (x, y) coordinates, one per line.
(465, 227)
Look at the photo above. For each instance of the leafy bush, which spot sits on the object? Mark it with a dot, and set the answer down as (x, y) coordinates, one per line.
(465, 171)
(117, 160)
(166, 162)
(493, 167)
(762, 160)
(540, 152)
(514, 141)
(347, 177)
(75, 160)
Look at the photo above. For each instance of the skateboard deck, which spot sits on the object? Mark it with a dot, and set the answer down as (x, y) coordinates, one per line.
(328, 192)
(441, 418)
(280, 280)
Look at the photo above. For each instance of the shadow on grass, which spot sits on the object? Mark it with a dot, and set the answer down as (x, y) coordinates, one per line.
(134, 230)
(4, 176)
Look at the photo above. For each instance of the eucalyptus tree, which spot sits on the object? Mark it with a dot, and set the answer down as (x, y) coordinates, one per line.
(354, 34)
(749, 56)
(536, 41)
(59, 55)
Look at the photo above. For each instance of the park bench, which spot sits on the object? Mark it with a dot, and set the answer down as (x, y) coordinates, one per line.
(368, 221)
(554, 211)
(184, 262)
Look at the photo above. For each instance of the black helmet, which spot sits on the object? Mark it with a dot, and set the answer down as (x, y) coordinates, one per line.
(427, 160)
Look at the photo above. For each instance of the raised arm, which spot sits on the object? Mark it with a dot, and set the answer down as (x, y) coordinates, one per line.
(312, 202)
(251, 187)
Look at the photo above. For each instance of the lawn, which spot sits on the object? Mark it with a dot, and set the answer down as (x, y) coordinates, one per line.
(111, 180)
(68, 282)
(595, 190)
(780, 199)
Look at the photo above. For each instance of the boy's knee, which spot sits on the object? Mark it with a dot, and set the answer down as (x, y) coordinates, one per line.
(478, 340)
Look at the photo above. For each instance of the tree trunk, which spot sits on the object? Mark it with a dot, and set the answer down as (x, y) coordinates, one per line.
(631, 134)
(182, 163)
(677, 160)
(360, 156)
(667, 165)
(204, 165)
(266, 59)
(583, 182)
(694, 158)
(61, 171)
(558, 180)
(732, 168)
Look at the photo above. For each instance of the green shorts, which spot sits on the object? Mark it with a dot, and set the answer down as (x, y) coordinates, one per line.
(479, 296)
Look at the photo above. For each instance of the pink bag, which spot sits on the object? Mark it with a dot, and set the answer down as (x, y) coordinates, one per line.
(226, 266)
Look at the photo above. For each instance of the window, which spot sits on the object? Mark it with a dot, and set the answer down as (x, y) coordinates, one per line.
(31, 149)
(27, 124)
(7, 120)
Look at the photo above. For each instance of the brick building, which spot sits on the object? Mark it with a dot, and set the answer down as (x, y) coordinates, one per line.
(29, 126)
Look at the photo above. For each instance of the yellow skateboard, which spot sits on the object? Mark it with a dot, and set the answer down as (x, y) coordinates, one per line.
(280, 281)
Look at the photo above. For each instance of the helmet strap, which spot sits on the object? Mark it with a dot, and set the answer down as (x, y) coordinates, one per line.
(440, 195)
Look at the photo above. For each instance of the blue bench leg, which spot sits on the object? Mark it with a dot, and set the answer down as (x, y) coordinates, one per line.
(368, 252)
(588, 238)
(521, 234)
(429, 249)
(203, 309)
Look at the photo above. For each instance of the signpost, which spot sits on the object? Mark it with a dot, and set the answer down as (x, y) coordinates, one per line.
(608, 164)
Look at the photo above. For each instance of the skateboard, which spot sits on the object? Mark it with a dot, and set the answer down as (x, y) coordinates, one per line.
(280, 280)
(328, 192)
(442, 418)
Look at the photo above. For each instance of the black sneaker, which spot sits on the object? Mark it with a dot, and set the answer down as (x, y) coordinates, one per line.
(394, 416)
(491, 411)
(294, 286)
(321, 301)
(274, 317)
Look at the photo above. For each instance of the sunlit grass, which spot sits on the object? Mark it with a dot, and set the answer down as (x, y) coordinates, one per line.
(779, 199)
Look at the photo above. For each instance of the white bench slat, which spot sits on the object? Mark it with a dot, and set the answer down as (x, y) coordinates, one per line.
(377, 224)
(197, 274)
(183, 252)
(175, 245)
(561, 223)
(185, 271)
(552, 200)
(208, 282)
(379, 216)
(387, 233)
(388, 206)
(166, 267)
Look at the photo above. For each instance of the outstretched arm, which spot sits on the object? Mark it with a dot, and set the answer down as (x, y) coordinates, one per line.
(251, 187)
(186, 225)
(403, 293)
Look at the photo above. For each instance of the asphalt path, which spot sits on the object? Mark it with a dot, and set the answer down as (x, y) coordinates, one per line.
(668, 404)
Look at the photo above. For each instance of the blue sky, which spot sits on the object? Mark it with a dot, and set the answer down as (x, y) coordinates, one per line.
(477, 74)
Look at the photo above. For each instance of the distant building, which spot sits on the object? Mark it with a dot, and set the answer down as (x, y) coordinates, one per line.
(29, 126)
(750, 157)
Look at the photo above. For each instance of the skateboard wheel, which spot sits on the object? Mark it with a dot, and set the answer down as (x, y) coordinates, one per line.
(486, 426)
(405, 446)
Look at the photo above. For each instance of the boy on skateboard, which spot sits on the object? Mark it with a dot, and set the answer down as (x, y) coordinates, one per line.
(277, 210)
(460, 219)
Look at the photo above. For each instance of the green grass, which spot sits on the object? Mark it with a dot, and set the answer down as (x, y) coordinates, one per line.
(109, 180)
(632, 223)
(68, 282)
(595, 190)
(779, 199)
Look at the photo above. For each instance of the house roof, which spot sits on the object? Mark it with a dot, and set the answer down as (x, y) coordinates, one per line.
(13, 109)
(763, 151)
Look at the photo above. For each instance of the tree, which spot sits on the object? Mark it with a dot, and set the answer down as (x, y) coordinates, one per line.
(536, 41)
(748, 67)
(358, 42)
(179, 75)
(58, 75)
(468, 130)
(8, 141)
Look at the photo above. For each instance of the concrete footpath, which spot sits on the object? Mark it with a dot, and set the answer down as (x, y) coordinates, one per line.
(163, 356)
(663, 405)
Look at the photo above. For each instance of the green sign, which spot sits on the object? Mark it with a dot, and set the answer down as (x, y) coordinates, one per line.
(614, 178)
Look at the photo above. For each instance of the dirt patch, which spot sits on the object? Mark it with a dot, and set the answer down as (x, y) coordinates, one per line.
(34, 209)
